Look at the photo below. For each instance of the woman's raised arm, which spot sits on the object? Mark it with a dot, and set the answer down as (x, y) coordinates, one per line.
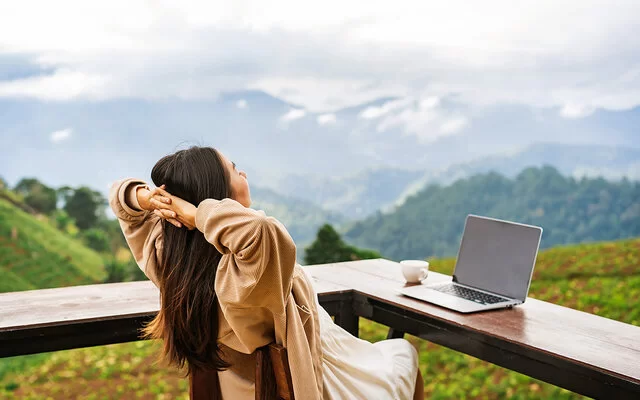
(141, 228)
(263, 254)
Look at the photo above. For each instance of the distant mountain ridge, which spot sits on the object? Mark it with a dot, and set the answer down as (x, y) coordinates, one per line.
(609, 162)
(570, 210)
(301, 218)
(357, 196)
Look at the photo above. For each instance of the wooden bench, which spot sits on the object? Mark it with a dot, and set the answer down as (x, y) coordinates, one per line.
(584, 353)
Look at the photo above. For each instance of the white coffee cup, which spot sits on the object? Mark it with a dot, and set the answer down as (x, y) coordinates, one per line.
(414, 271)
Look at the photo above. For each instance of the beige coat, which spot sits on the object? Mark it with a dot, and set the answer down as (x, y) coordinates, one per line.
(263, 295)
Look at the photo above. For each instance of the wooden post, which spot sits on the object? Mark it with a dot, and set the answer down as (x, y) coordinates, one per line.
(395, 334)
(347, 318)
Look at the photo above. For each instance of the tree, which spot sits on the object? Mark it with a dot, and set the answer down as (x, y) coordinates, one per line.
(3, 183)
(85, 206)
(112, 229)
(97, 239)
(37, 195)
(123, 271)
(65, 193)
(329, 247)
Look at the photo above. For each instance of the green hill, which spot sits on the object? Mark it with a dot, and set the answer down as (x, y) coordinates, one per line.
(430, 223)
(35, 255)
(601, 278)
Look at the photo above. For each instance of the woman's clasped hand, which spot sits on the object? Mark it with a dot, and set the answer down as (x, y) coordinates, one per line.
(171, 208)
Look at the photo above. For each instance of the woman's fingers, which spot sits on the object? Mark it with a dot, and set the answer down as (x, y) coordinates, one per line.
(166, 214)
(159, 204)
(185, 223)
(171, 220)
(160, 190)
(169, 213)
(161, 198)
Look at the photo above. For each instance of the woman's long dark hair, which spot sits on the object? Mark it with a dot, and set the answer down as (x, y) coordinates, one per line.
(188, 318)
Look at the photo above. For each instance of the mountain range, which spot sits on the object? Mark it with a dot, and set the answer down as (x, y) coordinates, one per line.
(360, 195)
(307, 168)
(302, 218)
(95, 142)
(570, 210)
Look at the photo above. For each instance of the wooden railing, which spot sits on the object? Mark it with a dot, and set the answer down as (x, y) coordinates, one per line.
(584, 353)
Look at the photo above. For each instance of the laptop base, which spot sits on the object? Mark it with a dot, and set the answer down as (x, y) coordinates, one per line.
(426, 293)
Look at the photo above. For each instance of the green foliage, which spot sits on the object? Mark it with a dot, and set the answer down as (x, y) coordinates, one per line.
(119, 271)
(10, 282)
(571, 211)
(116, 272)
(63, 221)
(12, 197)
(37, 195)
(96, 239)
(14, 365)
(329, 247)
(34, 254)
(570, 276)
(111, 227)
(85, 206)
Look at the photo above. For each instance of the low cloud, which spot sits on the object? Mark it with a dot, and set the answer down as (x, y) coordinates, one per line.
(242, 103)
(378, 111)
(293, 114)
(326, 119)
(61, 85)
(453, 125)
(425, 118)
(573, 110)
(61, 135)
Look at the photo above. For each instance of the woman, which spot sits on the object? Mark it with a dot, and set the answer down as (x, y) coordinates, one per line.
(229, 284)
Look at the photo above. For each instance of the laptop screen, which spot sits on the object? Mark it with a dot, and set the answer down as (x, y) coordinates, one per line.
(497, 256)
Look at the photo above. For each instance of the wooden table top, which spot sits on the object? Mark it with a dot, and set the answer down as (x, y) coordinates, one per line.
(574, 335)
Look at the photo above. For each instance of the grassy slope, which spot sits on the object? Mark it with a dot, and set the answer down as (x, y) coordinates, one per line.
(41, 256)
(602, 278)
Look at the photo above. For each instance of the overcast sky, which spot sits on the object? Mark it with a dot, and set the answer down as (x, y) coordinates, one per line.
(576, 56)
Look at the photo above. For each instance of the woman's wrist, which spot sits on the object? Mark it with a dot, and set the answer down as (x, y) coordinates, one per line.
(190, 215)
(142, 195)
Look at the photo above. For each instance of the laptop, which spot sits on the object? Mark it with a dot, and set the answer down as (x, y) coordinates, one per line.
(493, 270)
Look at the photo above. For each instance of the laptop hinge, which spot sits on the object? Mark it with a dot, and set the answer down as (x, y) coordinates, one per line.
(455, 279)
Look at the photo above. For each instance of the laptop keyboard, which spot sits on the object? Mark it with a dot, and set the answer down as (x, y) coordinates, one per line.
(469, 294)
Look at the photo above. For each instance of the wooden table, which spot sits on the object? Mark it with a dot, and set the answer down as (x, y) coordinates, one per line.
(581, 352)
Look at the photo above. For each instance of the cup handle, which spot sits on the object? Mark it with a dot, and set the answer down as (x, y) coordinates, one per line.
(425, 272)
